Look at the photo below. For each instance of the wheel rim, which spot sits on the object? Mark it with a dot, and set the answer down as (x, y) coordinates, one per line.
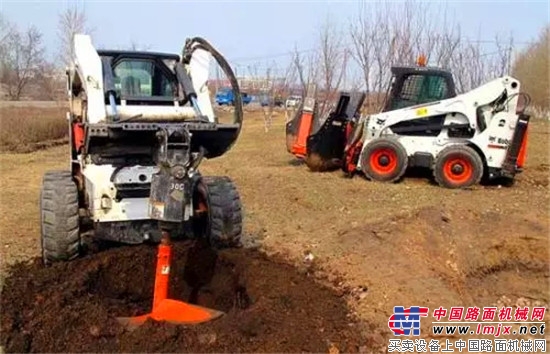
(458, 170)
(383, 161)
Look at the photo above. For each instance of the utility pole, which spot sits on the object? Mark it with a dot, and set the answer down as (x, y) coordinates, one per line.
(217, 78)
(510, 50)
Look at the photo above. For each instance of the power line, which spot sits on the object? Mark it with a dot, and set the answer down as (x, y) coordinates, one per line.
(238, 61)
(282, 71)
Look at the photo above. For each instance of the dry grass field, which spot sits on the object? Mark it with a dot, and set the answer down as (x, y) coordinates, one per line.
(381, 245)
(24, 129)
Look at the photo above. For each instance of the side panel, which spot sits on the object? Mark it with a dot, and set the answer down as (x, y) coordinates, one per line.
(496, 139)
(88, 65)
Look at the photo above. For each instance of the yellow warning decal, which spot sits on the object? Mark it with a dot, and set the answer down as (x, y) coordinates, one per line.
(422, 111)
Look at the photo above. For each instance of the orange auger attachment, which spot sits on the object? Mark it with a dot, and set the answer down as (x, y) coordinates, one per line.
(164, 309)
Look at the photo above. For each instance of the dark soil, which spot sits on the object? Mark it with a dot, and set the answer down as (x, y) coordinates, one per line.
(72, 307)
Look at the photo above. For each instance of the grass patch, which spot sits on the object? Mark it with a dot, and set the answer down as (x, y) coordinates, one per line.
(25, 129)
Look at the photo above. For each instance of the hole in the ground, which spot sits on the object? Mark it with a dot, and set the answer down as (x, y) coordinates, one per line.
(199, 277)
(269, 305)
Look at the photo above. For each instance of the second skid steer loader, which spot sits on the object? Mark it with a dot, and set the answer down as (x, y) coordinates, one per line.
(424, 123)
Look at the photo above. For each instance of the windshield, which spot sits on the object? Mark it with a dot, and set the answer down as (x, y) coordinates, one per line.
(419, 89)
(141, 78)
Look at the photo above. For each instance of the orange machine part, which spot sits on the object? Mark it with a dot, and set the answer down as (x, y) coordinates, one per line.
(164, 309)
(162, 274)
(421, 60)
(522, 151)
(352, 150)
(349, 150)
(349, 131)
(176, 312)
(78, 136)
(299, 148)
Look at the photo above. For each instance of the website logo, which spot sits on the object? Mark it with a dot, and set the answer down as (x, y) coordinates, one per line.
(406, 321)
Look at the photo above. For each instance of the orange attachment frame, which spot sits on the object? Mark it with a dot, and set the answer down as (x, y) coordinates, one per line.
(351, 151)
(300, 148)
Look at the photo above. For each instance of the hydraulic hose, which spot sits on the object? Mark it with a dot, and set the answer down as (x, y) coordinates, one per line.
(192, 44)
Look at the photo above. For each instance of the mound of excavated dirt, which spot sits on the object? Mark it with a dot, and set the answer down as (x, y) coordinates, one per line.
(71, 307)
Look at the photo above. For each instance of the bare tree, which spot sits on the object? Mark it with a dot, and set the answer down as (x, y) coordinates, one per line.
(22, 56)
(502, 64)
(363, 52)
(307, 68)
(71, 22)
(321, 71)
(333, 59)
(532, 68)
(49, 82)
(374, 43)
(6, 28)
(472, 65)
(277, 84)
(388, 35)
(268, 89)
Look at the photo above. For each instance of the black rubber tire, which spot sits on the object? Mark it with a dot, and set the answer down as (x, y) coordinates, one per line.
(59, 219)
(222, 225)
(399, 155)
(507, 182)
(463, 153)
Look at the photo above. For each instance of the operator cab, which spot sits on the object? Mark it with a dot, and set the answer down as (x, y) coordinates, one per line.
(146, 91)
(420, 86)
(412, 86)
(142, 78)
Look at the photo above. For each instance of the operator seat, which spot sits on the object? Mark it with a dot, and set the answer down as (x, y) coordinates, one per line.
(130, 86)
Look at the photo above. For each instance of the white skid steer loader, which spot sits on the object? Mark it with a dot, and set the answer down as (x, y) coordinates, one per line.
(140, 123)
(461, 138)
